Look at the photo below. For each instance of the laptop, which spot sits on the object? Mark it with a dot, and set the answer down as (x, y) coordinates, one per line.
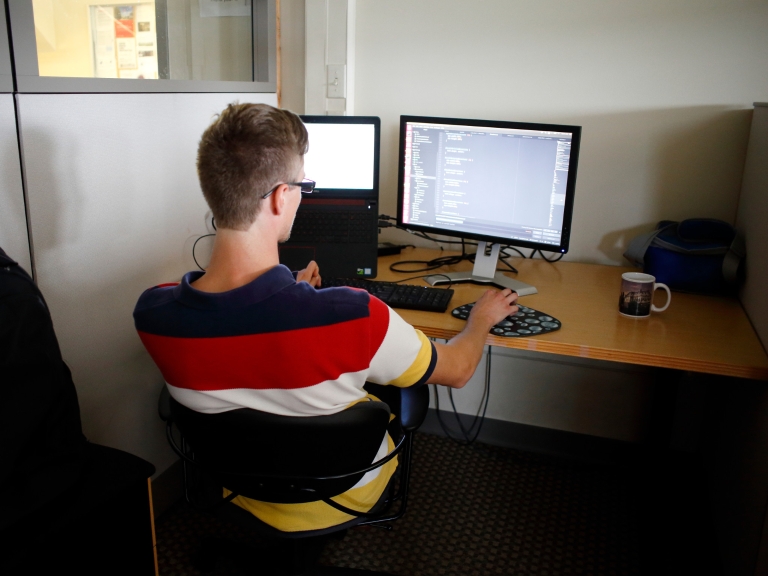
(337, 224)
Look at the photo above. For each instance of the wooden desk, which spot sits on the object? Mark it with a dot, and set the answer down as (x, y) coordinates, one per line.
(696, 333)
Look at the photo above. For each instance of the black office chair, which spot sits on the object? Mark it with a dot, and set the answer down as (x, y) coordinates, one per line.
(292, 460)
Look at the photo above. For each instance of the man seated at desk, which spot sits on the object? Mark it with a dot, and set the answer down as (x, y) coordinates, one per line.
(247, 334)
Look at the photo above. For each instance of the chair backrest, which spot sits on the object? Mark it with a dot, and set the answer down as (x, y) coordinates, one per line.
(283, 458)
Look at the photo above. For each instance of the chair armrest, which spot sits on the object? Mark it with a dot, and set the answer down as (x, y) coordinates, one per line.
(414, 403)
(164, 404)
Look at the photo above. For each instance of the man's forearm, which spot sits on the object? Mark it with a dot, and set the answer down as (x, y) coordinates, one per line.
(458, 358)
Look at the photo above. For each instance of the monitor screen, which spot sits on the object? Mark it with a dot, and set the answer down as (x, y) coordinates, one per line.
(343, 152)
(510, 183)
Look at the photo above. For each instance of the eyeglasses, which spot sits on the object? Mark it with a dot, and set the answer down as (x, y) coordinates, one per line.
(307, 186)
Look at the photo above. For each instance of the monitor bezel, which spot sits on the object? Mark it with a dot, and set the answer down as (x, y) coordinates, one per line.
(346, 192)
(570, 188)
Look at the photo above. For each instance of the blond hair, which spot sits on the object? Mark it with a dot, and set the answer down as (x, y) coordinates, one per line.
(247, 150)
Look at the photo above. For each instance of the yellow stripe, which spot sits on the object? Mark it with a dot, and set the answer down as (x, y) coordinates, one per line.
(419, 366)
(318, 515)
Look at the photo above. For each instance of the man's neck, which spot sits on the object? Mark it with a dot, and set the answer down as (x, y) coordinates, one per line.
(238, 257)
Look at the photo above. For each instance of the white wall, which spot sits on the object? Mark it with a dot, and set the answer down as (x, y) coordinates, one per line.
(115, 206)
(661, 88)
(663, 91)
(13, 224)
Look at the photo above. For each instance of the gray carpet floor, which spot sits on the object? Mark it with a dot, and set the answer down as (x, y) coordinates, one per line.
(472, 511)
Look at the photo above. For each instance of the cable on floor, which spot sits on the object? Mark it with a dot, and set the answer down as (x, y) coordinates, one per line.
(467, 435)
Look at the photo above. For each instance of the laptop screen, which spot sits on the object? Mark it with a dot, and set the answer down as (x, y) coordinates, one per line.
(342, 154)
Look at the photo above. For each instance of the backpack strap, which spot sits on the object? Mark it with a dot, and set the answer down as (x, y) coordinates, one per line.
(733, 259)
(637, 248)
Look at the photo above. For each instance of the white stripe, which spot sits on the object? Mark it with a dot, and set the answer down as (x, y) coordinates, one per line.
(397, 352)
(328, 397)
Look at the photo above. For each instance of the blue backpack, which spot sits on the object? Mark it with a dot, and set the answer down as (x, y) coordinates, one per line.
(701, 255)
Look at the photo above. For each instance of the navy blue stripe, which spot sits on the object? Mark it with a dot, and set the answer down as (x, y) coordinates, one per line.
(430, 369)
(159, 311)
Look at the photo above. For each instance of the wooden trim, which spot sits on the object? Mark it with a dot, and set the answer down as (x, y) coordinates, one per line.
(152, 521)
(627, 357)
(279, 64)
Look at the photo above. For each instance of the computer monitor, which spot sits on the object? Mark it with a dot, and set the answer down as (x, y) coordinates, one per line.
(500, 183)
(343, 153)
(337, 224)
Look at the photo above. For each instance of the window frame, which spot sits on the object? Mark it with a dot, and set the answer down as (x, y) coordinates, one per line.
(28, 80)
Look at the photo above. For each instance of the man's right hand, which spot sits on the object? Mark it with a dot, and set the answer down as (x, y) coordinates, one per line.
(493, 306)
(310, 275)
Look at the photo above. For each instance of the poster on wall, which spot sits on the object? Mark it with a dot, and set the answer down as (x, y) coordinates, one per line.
(219, 8)
(124, 23)
(124, 41)
(126, 55)
(146, 41)
(103, 28)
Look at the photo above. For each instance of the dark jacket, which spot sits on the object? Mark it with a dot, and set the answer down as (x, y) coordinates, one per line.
(42, 446)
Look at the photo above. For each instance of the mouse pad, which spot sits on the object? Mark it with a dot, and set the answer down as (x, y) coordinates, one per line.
(527, 322)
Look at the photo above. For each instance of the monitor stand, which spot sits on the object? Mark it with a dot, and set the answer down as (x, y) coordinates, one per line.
(484, 272)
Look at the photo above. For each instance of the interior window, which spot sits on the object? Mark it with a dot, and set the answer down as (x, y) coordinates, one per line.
(145, 39)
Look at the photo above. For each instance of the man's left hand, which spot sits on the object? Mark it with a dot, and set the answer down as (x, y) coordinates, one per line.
(310, 275)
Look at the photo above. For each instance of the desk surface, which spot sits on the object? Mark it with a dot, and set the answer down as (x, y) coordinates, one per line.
(696, 333)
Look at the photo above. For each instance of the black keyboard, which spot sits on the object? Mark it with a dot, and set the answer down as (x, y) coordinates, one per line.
(399, 295)
(335, 227)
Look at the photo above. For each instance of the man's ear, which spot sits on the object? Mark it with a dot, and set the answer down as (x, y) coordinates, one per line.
(279, 199)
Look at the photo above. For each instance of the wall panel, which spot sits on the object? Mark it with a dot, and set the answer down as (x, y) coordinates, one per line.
(664, 93)
(13, 223)
(114, 208)
(663, 90)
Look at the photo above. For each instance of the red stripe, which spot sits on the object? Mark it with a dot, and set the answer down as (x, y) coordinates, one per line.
(283, 360)
(379, 323)
(167, 284)
(332, 202)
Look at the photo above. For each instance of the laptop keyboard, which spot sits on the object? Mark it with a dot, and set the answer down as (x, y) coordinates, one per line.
(335, 227)
(404, 296)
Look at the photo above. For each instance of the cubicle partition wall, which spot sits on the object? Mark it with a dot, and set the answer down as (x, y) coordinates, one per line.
(103, 110)
(13, 224)
(751, 219)
(114, 208)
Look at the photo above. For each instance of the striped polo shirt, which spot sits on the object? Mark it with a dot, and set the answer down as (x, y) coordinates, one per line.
(284, 347)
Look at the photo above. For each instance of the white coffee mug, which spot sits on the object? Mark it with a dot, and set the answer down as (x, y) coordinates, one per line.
(636, 299)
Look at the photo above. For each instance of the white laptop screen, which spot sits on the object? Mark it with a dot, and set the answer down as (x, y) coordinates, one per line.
(341, 156)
